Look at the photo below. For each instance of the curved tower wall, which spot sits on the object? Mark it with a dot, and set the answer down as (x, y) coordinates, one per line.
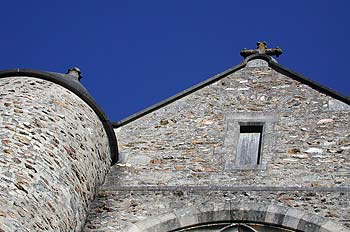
(54, 153)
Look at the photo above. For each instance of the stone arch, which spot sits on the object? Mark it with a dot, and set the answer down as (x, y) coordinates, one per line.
(270, 214)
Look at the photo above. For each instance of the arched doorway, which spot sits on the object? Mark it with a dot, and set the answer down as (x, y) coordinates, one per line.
(232, 227)
(242, 217)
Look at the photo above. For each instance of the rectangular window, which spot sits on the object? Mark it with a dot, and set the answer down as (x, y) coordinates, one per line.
(249, 145)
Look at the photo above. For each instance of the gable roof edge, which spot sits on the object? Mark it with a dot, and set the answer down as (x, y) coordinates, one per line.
(313, 84)
(179, 95)
(271, 62)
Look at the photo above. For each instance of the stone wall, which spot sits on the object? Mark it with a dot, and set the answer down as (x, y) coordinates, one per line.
(116, 210)
(54, 153)
(190, 143)
(310, 143)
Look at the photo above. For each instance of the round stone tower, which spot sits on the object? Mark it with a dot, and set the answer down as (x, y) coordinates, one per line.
(56, 146)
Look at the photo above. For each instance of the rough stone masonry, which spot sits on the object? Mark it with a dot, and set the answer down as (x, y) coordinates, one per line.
(54, 153)
(179, 162)
(181, 156)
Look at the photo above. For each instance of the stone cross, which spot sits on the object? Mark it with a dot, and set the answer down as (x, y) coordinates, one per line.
(261, 49)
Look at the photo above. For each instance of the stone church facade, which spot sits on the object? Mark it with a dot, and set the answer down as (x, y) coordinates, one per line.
(255, 148)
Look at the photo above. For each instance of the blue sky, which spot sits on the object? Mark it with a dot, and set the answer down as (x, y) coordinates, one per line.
(134, 54)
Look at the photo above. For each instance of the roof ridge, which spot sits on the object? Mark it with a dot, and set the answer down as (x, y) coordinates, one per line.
(271, 62)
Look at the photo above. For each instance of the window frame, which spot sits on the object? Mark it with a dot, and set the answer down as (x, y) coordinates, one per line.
(233, 123)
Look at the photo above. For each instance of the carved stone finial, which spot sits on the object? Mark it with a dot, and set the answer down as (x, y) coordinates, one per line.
(75, 72)
(261, 49)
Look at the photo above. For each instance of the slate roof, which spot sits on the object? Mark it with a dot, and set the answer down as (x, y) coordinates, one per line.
(71, 83)
(272, 64)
